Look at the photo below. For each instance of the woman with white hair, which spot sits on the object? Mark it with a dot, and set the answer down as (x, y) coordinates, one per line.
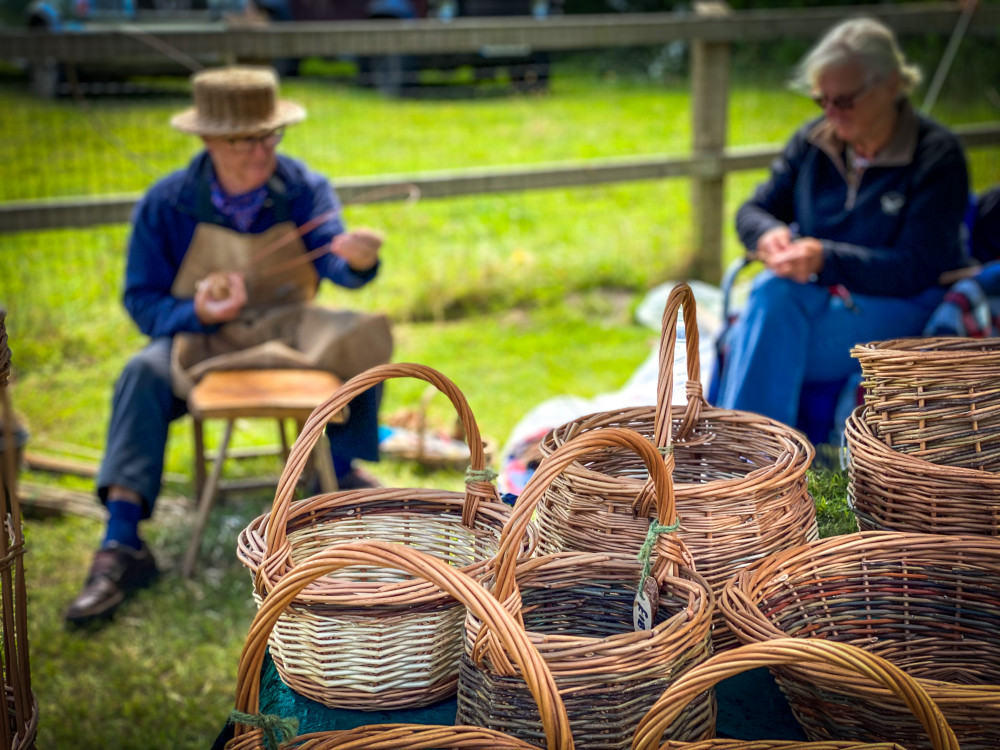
(859, 218)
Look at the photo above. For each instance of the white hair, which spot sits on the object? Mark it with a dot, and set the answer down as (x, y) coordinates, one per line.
(864, 40)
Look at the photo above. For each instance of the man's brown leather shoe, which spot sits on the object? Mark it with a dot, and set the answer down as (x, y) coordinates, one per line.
(117, 572)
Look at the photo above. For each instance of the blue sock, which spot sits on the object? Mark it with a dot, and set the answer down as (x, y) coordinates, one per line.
(123, 524)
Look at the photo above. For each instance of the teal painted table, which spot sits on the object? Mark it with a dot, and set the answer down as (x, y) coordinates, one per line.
(751, 707)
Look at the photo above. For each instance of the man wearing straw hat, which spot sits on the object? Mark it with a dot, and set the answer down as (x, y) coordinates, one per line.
(223, 260)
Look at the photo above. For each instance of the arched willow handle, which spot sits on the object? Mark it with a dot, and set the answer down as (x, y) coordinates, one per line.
(793, 652)
(681, 297)
(400, 557)
(512, 538)
(476, 489)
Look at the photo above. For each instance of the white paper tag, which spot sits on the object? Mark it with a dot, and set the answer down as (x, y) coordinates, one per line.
(647, 601)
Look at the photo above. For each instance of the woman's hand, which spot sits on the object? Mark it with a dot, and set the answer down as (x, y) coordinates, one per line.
(219, 297)
(800, 261)
(773, 241)
(358, 247)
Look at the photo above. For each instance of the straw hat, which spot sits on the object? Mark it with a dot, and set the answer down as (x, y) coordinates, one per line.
(236, 100)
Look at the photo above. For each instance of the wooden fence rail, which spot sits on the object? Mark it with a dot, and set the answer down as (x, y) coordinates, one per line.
(712, 28)
(383, 37)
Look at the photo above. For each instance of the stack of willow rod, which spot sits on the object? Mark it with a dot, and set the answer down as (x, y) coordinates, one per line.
(252, 729)
(374, 639)
(792, 652)
(578, 610)
(740, 478)
(928, 603)
(925, 447)
(19, 729)
(936, 399)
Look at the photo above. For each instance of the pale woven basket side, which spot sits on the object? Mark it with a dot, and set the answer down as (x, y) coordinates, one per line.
(894, 491)
(515, 649)
(935, 398)
(375, 639)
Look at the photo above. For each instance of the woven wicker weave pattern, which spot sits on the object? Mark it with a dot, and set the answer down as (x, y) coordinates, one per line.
(740, 478)
(800, 652)
(20, 728)
(325, 647)
(466, 592)
(928, 603)
(577, 609)
(900, 492)
(935, 398)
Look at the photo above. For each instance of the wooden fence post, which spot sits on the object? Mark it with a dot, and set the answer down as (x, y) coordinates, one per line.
(709, 120)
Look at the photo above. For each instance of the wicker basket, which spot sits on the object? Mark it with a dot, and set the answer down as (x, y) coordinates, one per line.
(893, 491)
(793, 652)
(21, 726)
(740, 478)
(578, 610)
(451, 583)
(374, 640)
(935, 398)
(930, 604)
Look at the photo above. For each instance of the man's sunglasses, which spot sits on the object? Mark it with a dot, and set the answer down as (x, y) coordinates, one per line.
(247, 143)
(844, 102)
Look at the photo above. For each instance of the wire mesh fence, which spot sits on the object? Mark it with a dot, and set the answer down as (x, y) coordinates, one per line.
(107, 136)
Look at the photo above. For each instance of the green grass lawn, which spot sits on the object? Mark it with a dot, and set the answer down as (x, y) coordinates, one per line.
(517, 298)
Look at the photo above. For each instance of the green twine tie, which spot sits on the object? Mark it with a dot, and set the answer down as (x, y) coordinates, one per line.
(479, 475)
(646, 550)
(277, 729)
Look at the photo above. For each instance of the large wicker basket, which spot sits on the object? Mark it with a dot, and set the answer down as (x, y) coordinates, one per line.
(20, 728)
(893, 491)
(363, 639)
(251, 727)
(578, 610)
(796, 653)
(740, 478)
(935, 398)
(930, 604)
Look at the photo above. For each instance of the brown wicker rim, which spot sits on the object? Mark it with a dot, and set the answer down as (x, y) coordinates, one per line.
(896, 491)
(935, 398)
(662, 496)
(798, 651)
(20, 727)
(739, 477)
(479, 490)
(608, 670)
(790, 464)
(930, 603)
(508, 633)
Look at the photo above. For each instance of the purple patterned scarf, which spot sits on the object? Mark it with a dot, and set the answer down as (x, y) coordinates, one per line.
(241, 210)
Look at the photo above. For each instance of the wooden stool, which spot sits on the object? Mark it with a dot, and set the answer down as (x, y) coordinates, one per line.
(253, 394)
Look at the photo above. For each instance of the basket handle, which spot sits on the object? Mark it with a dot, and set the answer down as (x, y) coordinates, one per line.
(478, 486)
(400, 557)
(512, 538)
(681, 297)
(794, 652)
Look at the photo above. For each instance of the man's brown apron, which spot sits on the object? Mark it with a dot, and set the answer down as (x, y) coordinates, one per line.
(279, 327)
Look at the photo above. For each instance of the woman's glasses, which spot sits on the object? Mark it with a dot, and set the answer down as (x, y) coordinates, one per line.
(844, 102)
(245, 144)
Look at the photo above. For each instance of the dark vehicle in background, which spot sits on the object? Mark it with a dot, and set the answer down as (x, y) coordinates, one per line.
(52, 77)
(392, 74)
(525, 68)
